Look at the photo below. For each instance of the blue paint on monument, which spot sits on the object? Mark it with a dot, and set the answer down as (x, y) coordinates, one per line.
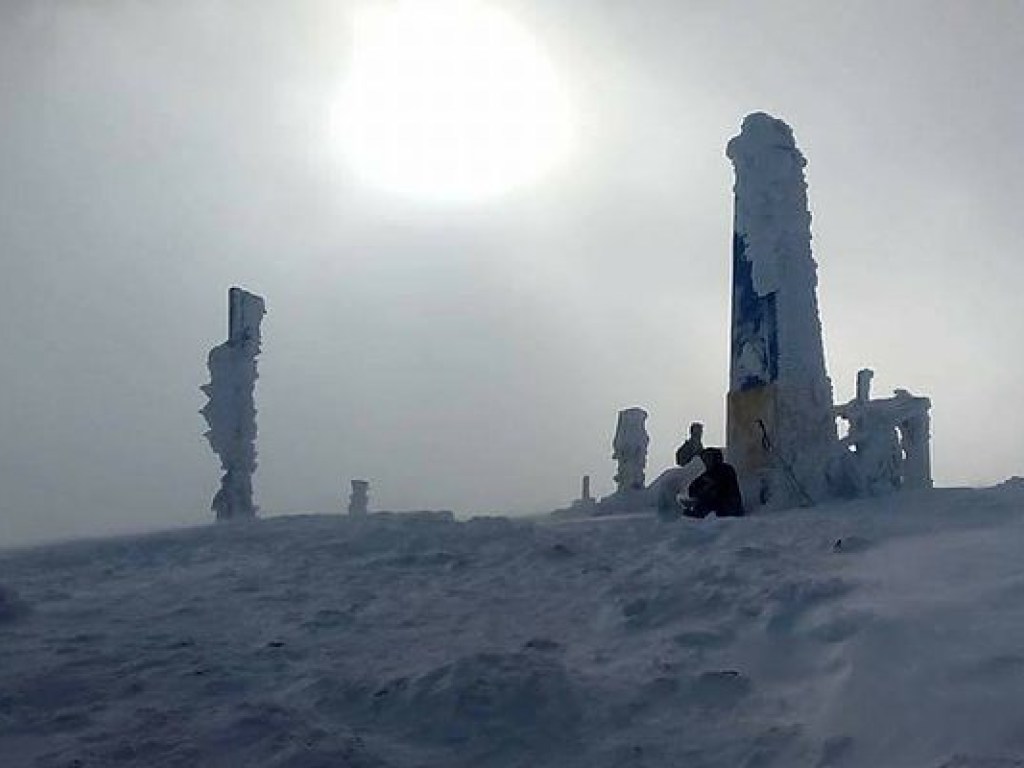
(755, 339)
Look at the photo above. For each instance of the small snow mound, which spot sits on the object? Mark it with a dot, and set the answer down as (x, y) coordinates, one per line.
(711, 690)
(12, 607)
(793, 600)
(491, 701)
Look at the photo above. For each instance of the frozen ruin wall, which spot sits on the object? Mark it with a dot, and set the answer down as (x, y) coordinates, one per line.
(889, 440)
(231, 410)
(781, 427)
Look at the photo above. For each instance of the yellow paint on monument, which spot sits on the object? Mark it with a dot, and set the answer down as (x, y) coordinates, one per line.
(748, 410)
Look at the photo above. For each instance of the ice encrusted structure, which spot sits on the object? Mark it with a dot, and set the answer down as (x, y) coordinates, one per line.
(585, 496)
(781, 433)
(629, 449)
(359, 498)
(231, 411)
(889, 439)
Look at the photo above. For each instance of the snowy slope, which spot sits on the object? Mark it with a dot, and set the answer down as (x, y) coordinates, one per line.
(324, 641)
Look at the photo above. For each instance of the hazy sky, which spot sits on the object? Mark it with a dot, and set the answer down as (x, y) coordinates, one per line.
(473, 355)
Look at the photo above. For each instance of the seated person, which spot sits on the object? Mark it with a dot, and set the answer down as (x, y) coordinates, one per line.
(715, 490)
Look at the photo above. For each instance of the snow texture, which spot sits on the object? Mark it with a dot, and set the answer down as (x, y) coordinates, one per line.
(12, 607)
(776, 334)
(882, 632)
(231, 410)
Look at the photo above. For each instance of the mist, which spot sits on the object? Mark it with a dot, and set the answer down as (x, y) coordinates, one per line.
(473, 356)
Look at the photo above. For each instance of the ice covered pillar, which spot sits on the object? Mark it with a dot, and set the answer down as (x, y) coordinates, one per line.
(629, 449)
(231, 412)
(915, 434)
(359, 499)
(781, 430)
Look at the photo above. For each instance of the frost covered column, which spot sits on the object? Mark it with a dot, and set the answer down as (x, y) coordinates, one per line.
(359, 499)
(629, 449)
(917, 471)
(915, 434)
(231, 412)
(781, 429)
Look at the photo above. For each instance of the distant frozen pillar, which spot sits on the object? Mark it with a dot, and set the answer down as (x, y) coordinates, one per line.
(629, 449)
(781, 430)
(864, 376)
(359, 499)
(915, 431)
(231, 412)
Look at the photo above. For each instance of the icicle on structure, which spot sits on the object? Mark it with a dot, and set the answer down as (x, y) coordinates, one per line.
(781, 432)
(231, 411)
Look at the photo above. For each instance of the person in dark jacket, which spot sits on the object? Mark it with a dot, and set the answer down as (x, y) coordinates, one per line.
(674, 482)
(715, 490)
(691, 449)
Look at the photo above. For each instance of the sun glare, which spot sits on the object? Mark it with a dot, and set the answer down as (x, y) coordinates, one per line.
(449, 100)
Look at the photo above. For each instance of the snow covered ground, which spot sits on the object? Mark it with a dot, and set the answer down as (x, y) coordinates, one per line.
(326, 641)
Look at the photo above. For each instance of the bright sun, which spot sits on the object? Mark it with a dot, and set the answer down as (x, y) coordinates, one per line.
(449, 100)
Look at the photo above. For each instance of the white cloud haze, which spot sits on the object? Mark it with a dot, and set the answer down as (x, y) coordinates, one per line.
(473, 356)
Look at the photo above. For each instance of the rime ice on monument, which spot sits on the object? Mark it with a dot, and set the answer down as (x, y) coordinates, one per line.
(231, 412)
(781, 430)
(629, 449)
(889, 439)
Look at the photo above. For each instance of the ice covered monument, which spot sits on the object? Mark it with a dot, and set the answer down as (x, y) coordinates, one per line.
(781, 430)
(781, 434)
(231, 411)
(781, 422)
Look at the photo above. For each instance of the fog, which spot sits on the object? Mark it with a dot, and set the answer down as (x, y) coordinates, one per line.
(472, 356)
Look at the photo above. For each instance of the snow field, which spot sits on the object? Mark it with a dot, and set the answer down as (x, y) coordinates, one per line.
(880, 633)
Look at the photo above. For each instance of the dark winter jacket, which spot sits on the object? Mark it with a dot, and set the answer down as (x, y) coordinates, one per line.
(718, 491)
(688, 451)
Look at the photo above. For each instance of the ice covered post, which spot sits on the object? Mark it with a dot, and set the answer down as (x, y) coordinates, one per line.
(359, 499)
(915, 438)
(781, 432)
(629, 449)
(231, 411)
(864, 377)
